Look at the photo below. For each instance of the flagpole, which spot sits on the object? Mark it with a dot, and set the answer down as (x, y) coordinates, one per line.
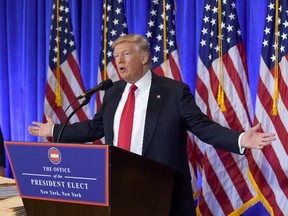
(105, 41)
(220, 97)
(58, 93)
(276, 90)
(164, 40)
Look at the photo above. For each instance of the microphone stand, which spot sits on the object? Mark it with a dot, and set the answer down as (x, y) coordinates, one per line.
(86, 101)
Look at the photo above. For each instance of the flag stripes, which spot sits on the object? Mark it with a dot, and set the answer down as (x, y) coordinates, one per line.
(63, 70)
(226, 187)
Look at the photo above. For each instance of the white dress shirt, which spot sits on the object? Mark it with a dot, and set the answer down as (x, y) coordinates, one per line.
(141, 102)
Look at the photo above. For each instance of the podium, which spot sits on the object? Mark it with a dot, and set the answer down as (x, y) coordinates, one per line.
(134, 186)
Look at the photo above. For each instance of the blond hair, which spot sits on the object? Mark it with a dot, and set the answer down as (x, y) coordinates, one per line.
(140, 41)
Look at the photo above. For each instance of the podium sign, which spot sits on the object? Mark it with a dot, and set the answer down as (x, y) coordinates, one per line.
(76, 173)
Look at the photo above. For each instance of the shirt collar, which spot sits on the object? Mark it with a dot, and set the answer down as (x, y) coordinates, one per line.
(144, 82)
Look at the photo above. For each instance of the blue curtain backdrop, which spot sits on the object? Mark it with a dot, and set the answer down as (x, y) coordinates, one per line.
(24, 45)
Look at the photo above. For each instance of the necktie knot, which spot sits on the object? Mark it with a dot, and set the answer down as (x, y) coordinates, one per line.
(133, 88)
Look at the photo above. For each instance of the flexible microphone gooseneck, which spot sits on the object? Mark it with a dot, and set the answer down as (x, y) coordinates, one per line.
(88, 94)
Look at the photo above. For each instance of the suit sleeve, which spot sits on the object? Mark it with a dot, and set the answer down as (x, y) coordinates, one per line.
(81, 132)
(205, 129)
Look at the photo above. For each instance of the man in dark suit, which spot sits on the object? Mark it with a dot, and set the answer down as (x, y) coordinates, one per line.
(164, 111)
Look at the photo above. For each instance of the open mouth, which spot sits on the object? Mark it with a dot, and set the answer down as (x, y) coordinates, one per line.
(122, 69)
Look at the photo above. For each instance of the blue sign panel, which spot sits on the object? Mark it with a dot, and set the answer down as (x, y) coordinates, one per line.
(61, 172)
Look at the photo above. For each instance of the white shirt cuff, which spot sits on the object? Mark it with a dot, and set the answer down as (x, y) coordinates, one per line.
(241, 150)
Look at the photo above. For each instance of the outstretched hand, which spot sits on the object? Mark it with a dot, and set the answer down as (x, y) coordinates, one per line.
(256, 140)
(42, 129)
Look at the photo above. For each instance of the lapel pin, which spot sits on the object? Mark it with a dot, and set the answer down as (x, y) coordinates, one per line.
(158, 96)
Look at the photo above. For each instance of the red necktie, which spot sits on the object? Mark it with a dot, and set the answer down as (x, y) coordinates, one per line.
(126, 121)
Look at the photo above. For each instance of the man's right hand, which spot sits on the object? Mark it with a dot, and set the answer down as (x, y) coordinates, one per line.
(42, 129)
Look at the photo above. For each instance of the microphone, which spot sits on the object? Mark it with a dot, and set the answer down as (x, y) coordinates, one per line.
(102, 86)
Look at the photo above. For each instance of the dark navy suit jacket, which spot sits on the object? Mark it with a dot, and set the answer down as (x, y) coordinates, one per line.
(171, 112)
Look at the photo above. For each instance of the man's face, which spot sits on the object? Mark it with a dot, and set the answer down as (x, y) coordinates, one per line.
(130, 62)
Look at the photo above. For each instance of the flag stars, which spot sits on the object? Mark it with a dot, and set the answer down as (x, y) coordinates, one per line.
(204, 31)
(151, 23)
(271, 6)
(203, 42)
(60, 19)
(109, 54)
(115, 21)
(54, 59)
(159, 37)
(211, 33)
(267, 30)
(269, 18)
(154, 59)
(213, 22)
(118, 11)
(110, 43)
(232, 16)
(239, 32)
(124, 25)
(156, 2)
(113, 32)
(153, 13)
(230, 28)
(265, 43)
(171, 43)
(57, 39)
(149, 34)
(207, 7)
(59, 29)
(168, 7)
(157, 48)
(284, 36)
(215, 10)
(172, 32)
(71, 43)
(206, 19)
(285, 23)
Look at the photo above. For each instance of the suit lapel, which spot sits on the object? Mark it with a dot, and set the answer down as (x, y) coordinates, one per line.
(155, 101)
(112, 105)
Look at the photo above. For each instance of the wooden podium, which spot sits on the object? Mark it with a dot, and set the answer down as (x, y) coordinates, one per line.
(137, 186)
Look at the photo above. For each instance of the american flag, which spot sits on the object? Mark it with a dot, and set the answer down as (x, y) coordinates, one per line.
(269, 167)
(161, 35)
(64, 81)
(114, 25)
(222, 92)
